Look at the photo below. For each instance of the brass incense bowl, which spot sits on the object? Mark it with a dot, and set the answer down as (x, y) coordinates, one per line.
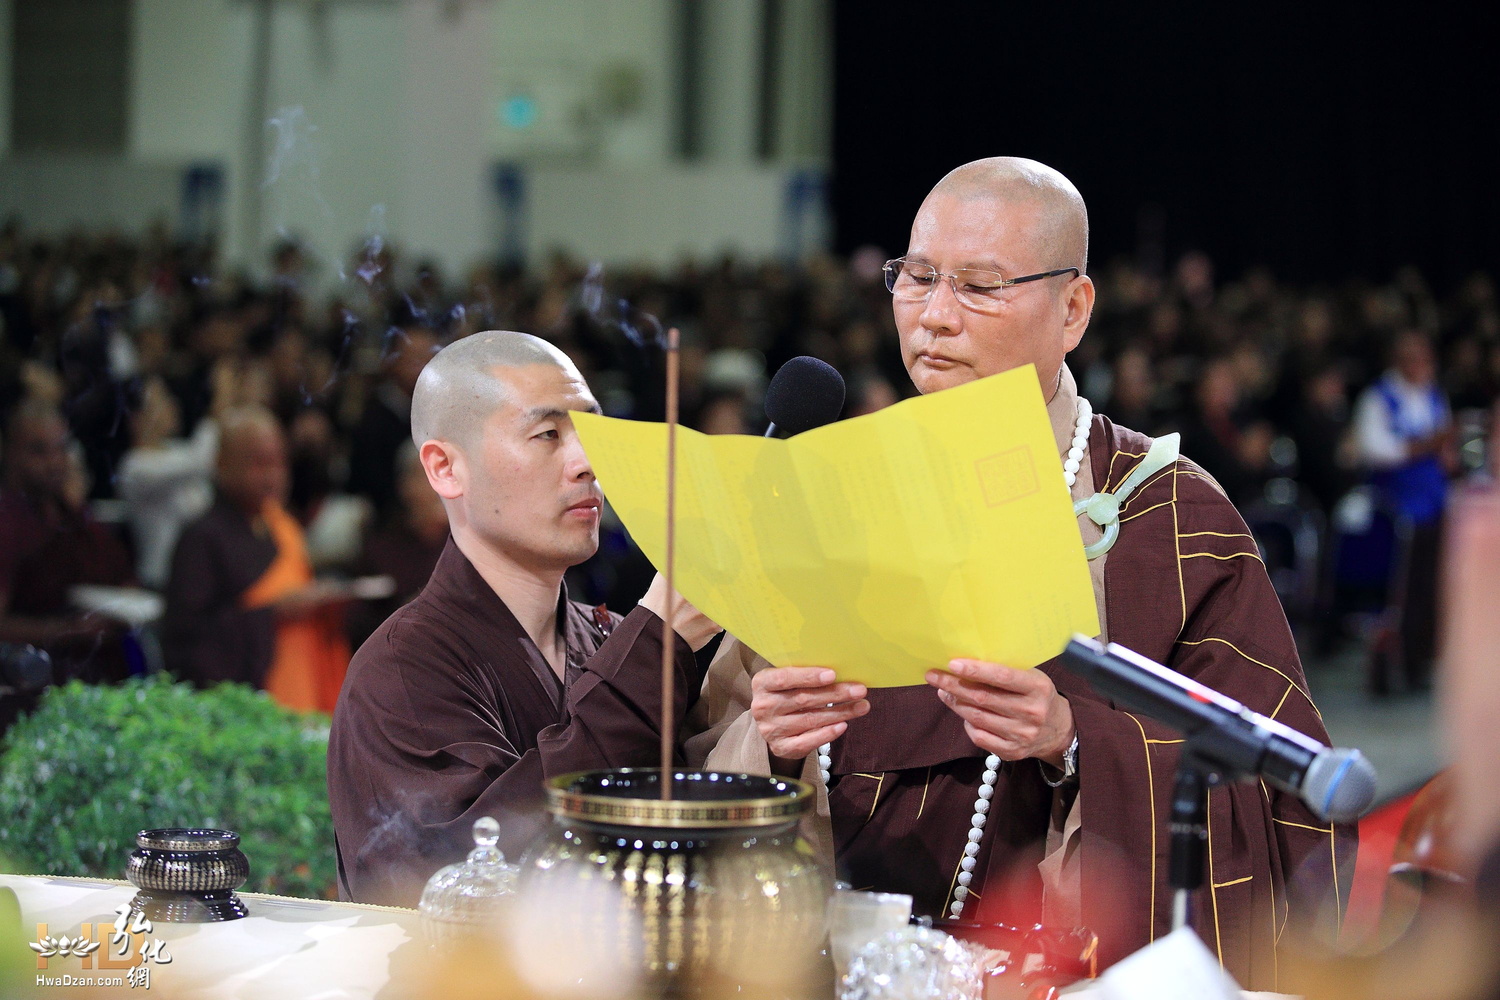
(707, 890)
(188, 875)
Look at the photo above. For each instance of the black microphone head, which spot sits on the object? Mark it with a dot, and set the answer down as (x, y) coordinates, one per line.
(1340, 785)
(805, 393)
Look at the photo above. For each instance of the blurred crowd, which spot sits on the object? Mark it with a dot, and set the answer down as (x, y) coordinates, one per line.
(122, 357)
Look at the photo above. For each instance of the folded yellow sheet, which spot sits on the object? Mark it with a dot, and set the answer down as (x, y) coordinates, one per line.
(881, 546)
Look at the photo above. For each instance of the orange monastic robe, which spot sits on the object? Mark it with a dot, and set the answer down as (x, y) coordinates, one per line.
(311, 656)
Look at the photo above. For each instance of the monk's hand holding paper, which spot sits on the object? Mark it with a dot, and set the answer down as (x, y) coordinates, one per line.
(798, 709)
(1013, 714)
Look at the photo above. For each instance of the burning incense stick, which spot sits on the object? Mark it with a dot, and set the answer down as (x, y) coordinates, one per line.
(668, 640)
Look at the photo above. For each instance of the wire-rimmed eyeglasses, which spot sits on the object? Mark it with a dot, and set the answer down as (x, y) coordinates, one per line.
(974, 287)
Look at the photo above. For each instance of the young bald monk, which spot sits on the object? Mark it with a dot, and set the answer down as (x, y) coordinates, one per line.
(1010, 795)
(492, 680)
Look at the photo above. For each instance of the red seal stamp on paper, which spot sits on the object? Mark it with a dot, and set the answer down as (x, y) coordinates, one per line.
(1008, 476)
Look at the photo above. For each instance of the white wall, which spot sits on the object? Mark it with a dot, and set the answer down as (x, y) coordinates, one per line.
(189, 66)
(442, 149)
(55, 193)
(805, 101)
(401, 125)
(328, 128)
(563, 52)
(732, 80)
(658, 216)
(334, 170)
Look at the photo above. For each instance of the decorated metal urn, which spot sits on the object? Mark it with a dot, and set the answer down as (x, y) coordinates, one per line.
(706, 891)
(188, 875)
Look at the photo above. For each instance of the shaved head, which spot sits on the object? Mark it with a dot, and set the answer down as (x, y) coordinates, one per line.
(243, 429)
(1062, 233)
(1004, 214)
(242, 423)
(492, 419)
(460, 386)
(36, 448)
(252, 463)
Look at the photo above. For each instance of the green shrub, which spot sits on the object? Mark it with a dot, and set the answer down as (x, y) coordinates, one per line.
(95, 764)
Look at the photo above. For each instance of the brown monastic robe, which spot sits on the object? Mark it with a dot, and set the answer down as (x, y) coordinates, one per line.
(47, 549)
(1183, 585)
(228, 571)
(208, 634)
(450, 712)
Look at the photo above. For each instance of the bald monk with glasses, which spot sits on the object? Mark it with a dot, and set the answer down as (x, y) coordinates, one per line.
(997, 794)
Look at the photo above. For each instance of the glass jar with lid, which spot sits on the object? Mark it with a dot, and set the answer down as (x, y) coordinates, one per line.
(467, 897)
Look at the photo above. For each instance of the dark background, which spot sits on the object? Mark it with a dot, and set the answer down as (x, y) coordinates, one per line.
(1325, 142)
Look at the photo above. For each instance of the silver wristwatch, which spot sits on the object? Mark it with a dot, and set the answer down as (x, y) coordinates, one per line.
(1069, 769)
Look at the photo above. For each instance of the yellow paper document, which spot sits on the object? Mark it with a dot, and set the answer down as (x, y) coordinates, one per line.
(881, 546)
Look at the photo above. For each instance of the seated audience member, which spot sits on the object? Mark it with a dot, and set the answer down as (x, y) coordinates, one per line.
(165, 481)
(1403, 432)
(722, 412)
(405, 548)
(94, 397)
(242, 603)
(1132, 392)
(48, 545)
(334, 522)
(386, 420)
(215, 334)
(492, 680)
(870, 393)
(1217, 432)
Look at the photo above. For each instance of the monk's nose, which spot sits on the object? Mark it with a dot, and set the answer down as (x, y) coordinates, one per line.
(941, 313)
(578, 467)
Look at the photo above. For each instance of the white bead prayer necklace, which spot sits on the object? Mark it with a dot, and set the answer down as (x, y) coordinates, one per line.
(991, 774)
(976, 833)
(1081, 426)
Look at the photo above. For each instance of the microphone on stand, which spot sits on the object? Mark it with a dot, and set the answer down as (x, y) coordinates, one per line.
(1222, 741)
(1336, 783)
(803, 394)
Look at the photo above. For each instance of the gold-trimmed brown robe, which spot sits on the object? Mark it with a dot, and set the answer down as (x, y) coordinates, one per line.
(1183, 585)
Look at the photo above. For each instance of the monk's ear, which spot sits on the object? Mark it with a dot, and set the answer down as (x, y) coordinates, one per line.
(1080, 306)
(444, 465)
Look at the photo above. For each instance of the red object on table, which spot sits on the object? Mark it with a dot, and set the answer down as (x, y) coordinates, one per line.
(1378, 834)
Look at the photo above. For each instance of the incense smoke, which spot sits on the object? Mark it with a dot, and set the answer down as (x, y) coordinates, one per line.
(638, 326)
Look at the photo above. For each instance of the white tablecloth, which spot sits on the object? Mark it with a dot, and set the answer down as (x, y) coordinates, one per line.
(286, 948)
